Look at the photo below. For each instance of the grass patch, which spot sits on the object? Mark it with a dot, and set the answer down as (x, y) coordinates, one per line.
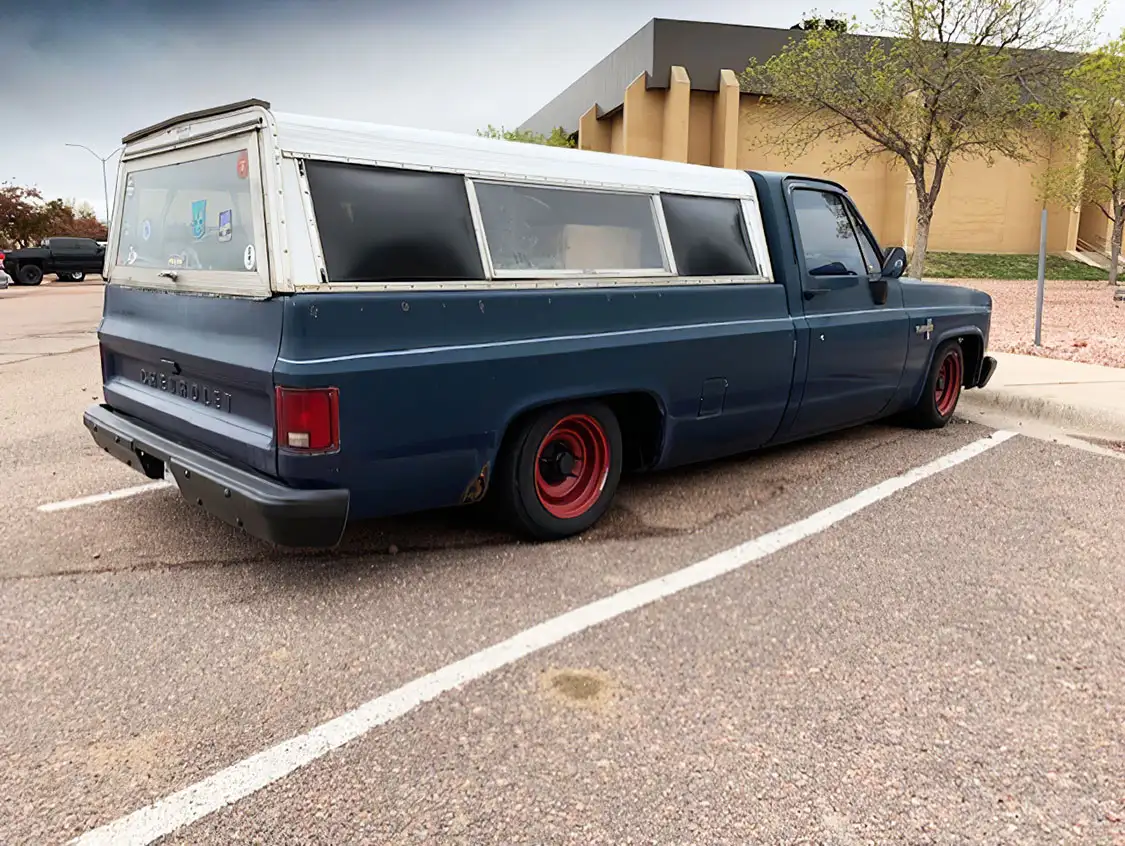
(995, 266)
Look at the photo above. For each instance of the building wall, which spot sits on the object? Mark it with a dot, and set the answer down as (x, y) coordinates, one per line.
(1096, 229)
(867, 183)
(982, 207)
(996, 208)
(699, 137)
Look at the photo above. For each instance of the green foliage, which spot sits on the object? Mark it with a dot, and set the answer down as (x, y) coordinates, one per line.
(939, 80)
(1091, 109)
(996, 266)
(834, 24)
(559, 137)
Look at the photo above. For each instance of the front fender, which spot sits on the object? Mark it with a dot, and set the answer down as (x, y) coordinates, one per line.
(956, 333)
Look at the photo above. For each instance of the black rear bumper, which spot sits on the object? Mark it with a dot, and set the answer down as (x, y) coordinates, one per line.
(263, 507)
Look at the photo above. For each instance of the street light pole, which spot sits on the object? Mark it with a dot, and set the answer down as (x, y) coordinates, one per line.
(105, 178)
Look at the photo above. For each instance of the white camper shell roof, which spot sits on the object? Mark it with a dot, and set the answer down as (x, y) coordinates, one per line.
(306, 136)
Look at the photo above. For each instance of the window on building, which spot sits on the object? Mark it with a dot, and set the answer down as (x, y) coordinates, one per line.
(531, 229)
(827, 237)
(390, 225)
(708, 236)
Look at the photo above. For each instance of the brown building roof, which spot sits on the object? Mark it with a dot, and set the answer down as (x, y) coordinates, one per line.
(702, 49)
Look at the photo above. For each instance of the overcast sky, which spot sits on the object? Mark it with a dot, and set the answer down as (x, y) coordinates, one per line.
(90, 71)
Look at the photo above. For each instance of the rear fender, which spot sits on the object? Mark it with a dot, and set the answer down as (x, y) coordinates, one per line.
(536, 404)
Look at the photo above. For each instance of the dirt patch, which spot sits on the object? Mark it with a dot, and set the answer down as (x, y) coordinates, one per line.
(577, 688)
(1081, 320)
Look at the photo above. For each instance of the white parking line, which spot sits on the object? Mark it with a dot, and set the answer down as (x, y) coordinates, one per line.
(258, 771)
(94, 499)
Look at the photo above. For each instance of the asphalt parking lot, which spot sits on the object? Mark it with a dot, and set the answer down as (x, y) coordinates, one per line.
(822, 658)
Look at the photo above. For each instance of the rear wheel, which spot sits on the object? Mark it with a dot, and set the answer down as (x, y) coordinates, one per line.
(560, 469)
(30, 274)
(76, 277)
(942, 389)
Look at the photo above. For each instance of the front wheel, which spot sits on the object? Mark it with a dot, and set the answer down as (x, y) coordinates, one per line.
(942, 389)
(77, 277)
(560, 469)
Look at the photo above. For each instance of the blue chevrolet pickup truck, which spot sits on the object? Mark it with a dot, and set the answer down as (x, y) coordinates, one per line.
(312, 321)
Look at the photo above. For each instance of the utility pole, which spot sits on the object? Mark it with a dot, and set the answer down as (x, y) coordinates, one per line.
(105, 178)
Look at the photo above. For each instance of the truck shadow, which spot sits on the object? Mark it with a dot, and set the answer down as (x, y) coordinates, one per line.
(666, 504)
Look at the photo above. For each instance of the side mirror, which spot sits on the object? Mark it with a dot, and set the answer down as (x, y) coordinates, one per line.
(894, 265)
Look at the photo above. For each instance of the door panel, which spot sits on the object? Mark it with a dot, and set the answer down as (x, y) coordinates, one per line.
(857, 347)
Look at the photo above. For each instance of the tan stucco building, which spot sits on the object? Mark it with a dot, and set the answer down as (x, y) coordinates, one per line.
(671, 91)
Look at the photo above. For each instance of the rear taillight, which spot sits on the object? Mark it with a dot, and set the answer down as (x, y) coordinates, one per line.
(308, 419)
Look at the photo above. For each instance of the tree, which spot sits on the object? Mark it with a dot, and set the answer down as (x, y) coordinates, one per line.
(19, 215)
(1092, 110)
(835, 24)
(25, 219)
(942, 80)
(559, 137)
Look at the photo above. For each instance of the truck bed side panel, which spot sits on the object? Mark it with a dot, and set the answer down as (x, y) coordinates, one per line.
(430, 381)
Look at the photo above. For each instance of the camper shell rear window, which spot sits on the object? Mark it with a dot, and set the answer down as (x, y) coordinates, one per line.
(192, 215)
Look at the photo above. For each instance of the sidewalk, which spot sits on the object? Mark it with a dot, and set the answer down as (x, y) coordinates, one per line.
(1082, 397)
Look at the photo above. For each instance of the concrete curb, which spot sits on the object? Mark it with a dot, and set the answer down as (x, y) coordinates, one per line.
(1105, 422)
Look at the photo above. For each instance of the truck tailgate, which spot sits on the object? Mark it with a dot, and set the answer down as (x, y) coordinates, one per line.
(197, 369)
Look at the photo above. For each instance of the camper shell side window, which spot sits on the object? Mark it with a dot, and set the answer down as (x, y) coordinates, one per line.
(381, 224)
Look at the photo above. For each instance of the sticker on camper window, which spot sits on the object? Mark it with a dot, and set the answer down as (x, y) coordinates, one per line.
(130, 187)
(199, 219)
(243, 165)
(248, 257)
(176, 260)
(146, 229)
(131, 257)
(226, 230)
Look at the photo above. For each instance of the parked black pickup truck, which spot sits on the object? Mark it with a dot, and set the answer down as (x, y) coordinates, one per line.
(68, 258)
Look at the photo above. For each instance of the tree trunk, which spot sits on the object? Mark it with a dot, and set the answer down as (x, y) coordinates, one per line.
(921, 238)
(1115, 244)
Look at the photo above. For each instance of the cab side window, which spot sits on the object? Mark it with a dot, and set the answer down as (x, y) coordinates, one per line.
(871, 252)
(828, 238)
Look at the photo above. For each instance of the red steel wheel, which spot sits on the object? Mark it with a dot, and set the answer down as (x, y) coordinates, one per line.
(947, 387)
(558, 469)
(571, 466)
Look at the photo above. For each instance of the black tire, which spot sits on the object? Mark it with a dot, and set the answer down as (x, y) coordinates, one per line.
(30, 274)
(942, 390)
(528, 476)
(77, 277)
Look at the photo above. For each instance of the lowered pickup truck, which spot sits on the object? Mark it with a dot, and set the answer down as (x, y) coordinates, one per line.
(68, 258)
(310, 321)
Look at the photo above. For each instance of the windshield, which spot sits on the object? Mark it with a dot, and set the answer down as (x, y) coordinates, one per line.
(191, 215)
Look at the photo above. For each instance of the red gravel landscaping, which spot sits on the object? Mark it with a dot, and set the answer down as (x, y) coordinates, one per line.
(1081, 321)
